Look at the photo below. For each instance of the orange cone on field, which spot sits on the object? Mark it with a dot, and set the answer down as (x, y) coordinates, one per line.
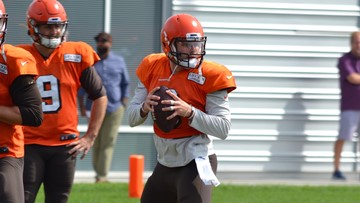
(136, 170)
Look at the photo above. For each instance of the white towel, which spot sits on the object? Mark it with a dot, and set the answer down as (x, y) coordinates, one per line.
(205, 172)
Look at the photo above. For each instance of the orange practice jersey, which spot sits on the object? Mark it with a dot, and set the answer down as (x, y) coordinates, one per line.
(58, 83)
(190, 86)
(15, 63)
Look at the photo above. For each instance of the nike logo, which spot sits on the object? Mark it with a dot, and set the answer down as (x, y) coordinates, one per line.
(228, 76)
(23, 63)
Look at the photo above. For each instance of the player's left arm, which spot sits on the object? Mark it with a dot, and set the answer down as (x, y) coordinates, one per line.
(27, 110)
(93, 86)
(216, 121)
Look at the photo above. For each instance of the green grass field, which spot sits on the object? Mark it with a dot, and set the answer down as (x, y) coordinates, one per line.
(118, 193)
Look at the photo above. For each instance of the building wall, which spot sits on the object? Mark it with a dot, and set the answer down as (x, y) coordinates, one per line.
(284, 56)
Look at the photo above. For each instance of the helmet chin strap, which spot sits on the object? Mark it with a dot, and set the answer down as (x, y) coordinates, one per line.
(192, 63)
(50, 43)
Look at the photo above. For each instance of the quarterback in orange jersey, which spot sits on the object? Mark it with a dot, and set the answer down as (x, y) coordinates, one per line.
(20, 104)
(64, 67)
(187, 163)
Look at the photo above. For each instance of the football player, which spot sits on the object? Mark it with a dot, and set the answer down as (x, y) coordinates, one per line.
(63, 66)
(187, 163)
(20, 104)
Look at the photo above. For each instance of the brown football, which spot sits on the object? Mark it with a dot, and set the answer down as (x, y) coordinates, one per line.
(159, 116)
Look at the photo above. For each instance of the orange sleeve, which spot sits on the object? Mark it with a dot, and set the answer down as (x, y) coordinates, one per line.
(219, 77)
(20, 61)
(90, 57)
(143, 71)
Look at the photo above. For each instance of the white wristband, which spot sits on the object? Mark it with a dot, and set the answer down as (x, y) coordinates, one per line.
(142, 108)
(192, 113)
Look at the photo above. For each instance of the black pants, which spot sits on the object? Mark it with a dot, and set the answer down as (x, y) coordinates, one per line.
(11, 184)
(52, 166)
(178, 185)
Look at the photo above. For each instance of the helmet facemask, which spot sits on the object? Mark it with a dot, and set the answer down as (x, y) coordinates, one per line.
(3, 27)
(188, 51)
(48, 41)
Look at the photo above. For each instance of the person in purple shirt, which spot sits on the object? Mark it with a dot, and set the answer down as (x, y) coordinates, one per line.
(113, 72)
(349, 70)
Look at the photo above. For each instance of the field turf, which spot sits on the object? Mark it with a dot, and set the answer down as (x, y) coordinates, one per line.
(118, 193)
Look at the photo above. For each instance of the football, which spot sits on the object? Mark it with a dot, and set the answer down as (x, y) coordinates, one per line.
(159, 116)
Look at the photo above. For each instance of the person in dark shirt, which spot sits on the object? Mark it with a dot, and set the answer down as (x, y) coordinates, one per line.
(349, 71)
